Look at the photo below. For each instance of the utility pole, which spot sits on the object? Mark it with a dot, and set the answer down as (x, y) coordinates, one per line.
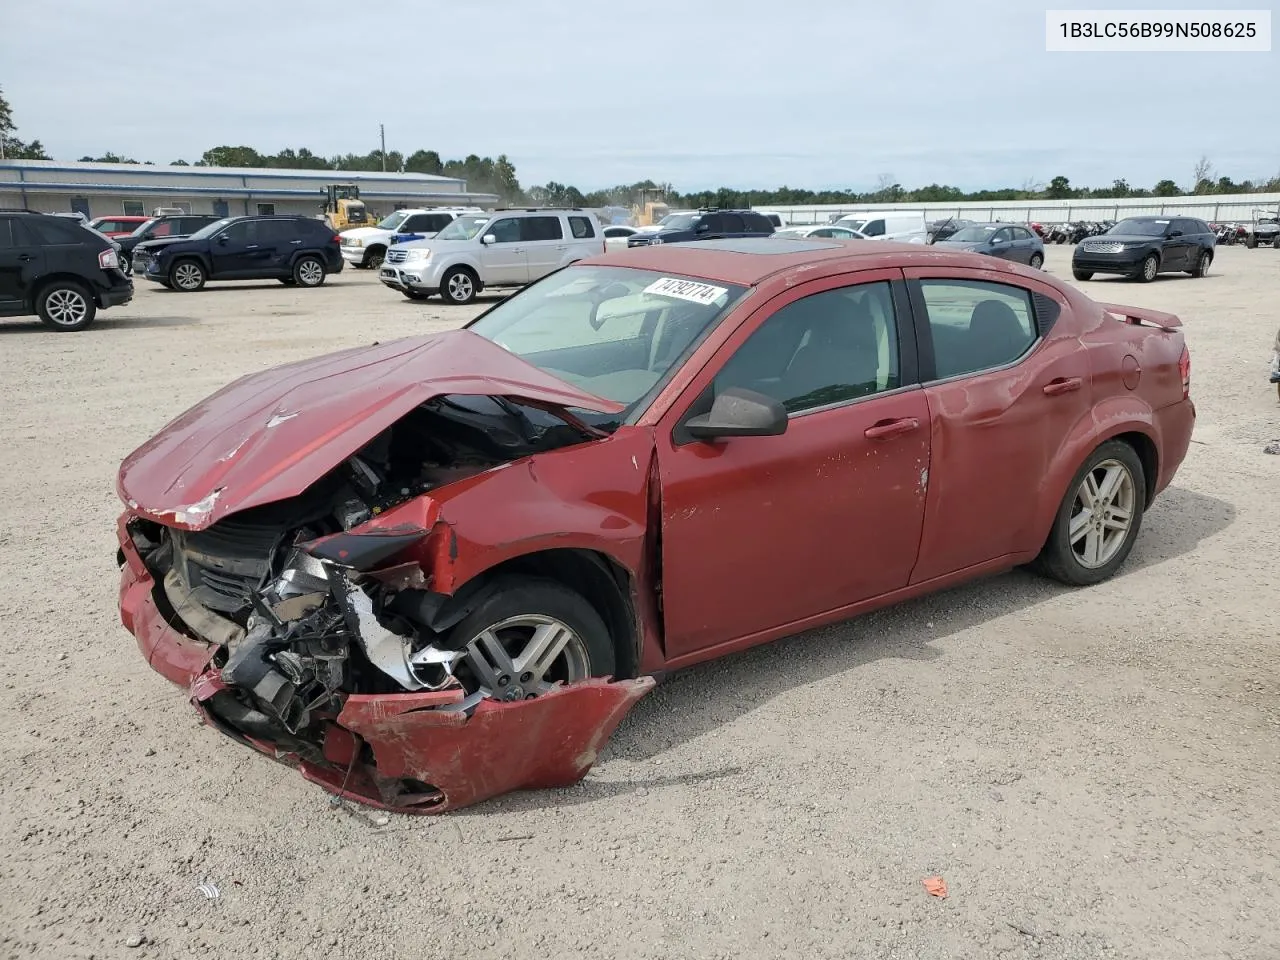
(382, 131)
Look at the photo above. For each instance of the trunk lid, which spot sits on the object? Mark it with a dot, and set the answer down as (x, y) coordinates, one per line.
(270, 435)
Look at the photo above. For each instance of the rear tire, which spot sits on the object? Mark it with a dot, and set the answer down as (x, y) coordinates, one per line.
(1069, 562)
(1082, 274)
(1148, 269)
(187, 276)
(1037, 262)
(65, 306)
(308, 272)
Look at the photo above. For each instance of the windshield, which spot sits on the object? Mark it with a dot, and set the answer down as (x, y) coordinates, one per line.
(972, 235)
(205, 233)
(464, 228)
(142, 227)
(678, 221)
(393, 221)
(615, 332)
(1141, 228)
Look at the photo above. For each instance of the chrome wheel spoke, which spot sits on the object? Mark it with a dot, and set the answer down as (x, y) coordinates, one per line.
(546, 644)
(1079, 526)
(1110, 482)
(489, 660)
(1093, 546)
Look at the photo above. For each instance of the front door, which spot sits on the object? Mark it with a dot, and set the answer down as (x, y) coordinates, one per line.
(21, 261)
(997, 421)
(1180, 251)
(238, 250)
(760, 533)
(505, 261)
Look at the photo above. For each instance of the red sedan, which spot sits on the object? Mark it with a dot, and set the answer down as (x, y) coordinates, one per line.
(407, 568)
(115, 227)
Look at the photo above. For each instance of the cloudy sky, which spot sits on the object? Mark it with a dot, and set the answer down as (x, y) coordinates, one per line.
(701, 93)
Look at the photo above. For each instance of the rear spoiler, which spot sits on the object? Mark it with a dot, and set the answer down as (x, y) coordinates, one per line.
(1140, 316)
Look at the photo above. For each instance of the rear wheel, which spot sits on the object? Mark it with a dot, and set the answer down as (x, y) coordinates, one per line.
(528, 635)
(187, 276)
(308, 272)
(1201, 268)
(1099, 518)
(1037, 261)
(1148, 269)
(1082, 274)
(65, 306)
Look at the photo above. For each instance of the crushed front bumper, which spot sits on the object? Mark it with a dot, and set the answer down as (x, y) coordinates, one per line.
(410, 752)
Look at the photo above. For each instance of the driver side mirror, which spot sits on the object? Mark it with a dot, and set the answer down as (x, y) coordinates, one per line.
(488, 239)
(995, 240)
(702, 227)
(738, 412)
(224, 239)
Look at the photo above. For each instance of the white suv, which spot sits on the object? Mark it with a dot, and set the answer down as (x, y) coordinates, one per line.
(367, 246)
(506, 248)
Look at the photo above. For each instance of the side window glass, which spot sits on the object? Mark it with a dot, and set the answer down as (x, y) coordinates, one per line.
(823, 349)
(977, 325)
(732, 223)
(506, 231)
(713, 222)
(415, 223)
(581, 227)
(541, 228)
(239, 233)
(162, 229)
(874, 228)
(438, 221)
(6, 234)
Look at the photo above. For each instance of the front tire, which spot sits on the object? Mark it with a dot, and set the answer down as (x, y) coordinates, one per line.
(1201, 268)
(66, 307)
(1082, 274)
(308, 272)
(373, 259)
(458, 286)
(187, 276)
(1148, 269)
(1037, 261)
(529, 634)
(1099, 518)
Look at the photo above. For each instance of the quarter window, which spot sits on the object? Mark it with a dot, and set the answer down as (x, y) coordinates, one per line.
(976, 325)
(827, 348)
(581, 228)
(541, 228)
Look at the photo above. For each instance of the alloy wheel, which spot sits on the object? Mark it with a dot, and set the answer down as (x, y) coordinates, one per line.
(310, 273)
(187, 276)
(66, 308)
(460, 287)
(524, 657)
(1149, 267)
(1102, 514)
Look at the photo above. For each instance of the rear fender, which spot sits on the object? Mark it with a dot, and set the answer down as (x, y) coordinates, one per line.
(1110, 418)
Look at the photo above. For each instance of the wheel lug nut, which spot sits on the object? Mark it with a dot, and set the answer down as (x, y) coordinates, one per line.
(526, 677)
(504, 680)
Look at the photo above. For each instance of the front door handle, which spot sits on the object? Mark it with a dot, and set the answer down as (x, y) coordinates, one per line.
(887, 429)
(296, 243)
(1062, 385)
(24, 257)
(251, 246)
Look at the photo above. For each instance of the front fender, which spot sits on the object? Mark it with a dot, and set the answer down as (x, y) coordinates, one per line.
(1107, 419)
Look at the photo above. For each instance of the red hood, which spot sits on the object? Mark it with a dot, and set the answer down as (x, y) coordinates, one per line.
(270, 435)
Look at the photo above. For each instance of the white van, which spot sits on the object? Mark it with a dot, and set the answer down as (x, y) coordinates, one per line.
(902, 226)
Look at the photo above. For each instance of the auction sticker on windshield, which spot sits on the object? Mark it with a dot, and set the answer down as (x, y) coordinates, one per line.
(691, 290)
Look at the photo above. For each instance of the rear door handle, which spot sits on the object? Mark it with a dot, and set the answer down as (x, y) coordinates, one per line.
(887, 429)
(296, 243)
(1062, 385)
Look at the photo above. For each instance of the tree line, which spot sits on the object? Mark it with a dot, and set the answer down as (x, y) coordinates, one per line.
(498, 176)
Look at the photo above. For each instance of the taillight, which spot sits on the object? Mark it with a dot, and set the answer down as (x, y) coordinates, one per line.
(335, 239)
(1184, 370)
(108, 260)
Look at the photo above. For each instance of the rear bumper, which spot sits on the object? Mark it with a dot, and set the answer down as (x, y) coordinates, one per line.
(1175, 424)
(116, 295)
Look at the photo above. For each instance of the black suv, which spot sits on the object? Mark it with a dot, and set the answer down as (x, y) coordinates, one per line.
(161, 231)
(1142, 247)
(293, 250)
(59, 270)
(705, 225)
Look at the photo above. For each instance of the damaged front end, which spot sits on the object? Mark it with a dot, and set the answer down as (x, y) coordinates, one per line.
(309, 629)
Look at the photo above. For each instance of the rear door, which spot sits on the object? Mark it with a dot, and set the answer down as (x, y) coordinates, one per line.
(585, 234)
(544, 243)
(21, 262)
(504, 261)
(1005, 386)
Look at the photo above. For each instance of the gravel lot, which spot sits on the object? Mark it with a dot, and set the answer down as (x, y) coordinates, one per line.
(1093, 772)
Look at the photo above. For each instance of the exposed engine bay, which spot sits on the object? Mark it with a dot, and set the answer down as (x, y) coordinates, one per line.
(297, 609)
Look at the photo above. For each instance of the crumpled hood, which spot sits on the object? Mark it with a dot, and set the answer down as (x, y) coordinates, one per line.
(270, 435)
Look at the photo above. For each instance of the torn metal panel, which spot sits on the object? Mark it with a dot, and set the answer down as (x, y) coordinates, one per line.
(549, 741)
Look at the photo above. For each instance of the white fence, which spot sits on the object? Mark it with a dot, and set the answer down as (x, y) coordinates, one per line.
(1216, 209)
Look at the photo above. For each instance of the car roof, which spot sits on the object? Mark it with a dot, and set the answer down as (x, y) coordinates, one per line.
(748, 261)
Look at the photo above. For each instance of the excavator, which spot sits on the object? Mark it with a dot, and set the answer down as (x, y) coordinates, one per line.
(343, 207)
